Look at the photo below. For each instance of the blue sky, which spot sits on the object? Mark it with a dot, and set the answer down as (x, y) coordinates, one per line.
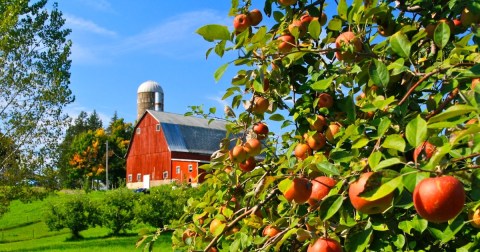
(118, 44)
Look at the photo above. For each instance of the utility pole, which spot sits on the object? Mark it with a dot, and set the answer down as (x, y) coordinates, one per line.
(106, 166)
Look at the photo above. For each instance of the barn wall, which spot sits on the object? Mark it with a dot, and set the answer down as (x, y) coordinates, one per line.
(148, 152)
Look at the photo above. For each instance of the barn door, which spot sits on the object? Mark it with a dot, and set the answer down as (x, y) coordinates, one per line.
(146, 181)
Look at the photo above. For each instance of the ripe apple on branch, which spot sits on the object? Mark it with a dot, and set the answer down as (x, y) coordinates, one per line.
(372, 137)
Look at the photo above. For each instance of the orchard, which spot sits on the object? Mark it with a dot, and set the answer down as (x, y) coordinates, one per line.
(367, 116)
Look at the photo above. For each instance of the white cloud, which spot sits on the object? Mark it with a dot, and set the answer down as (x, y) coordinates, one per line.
(177, 34)
(77, 23)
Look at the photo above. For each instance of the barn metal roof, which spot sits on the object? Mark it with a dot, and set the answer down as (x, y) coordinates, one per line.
(190, 134)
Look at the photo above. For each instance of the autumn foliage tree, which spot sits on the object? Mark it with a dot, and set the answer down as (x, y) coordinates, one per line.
(382, 99)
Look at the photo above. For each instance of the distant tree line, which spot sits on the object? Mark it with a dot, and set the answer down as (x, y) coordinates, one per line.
(82, 156)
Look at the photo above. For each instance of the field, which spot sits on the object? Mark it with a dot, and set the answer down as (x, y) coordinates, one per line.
(22, 229)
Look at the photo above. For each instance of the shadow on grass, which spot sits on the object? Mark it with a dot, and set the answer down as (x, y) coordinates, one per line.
(20, 225)
(81, 238)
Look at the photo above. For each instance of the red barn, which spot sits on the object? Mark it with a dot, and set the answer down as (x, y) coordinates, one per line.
(168, 147)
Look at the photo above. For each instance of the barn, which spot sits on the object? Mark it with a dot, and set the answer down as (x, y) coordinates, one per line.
(167, 147)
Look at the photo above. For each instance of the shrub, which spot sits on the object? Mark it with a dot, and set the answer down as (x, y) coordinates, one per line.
(165, 203)
(76, 213)
(117, 210)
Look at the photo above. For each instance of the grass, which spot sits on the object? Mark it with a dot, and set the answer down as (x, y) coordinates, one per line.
(22, 229)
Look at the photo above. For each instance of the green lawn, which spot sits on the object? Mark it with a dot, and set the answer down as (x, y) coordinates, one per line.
(22, 229)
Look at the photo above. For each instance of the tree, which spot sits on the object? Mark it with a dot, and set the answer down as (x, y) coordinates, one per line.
(77, 213)
(83, 155)
(395, 84)
(119, 133)
(83, 123)
(117, 210)
(34, 79)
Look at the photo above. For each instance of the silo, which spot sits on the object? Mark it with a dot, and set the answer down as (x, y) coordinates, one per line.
(149, 96)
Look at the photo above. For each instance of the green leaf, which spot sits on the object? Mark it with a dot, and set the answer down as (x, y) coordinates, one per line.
(262, 31)
(314, 29)
(335, 24)
(387, 163)
(449, 232)
(321, 85)
(359, 143)
(383, 126)
(277, 117)
(441, 36)
(284, 185)
(416, 224)
(416, 131)
(328, 168)
(394, 141)
(329, 206)
(452, 111)
(358, 238)
(383, 190)
(220, 71)
(378, 73)
(342, 9)
(374, 159)
(214, 32)
(400, 44)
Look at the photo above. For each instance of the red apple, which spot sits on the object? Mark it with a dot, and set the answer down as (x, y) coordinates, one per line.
(331, 131)
(315, 141)
(319, 123)
(425, 151)
(348, 38)
(255, 17)
(475, 82)
(287, 2)
(363, 205)
(474, 217)
(261, 129)
(323, 244)
(238, 154)
(302, 151)
(260, 105)
(248, 165)
(287, 43)
(241, 22)
(320, 188)
(299, 191)
(270, 231)
(302, 29)
(439, 199)
(253, 147)
(325, 100)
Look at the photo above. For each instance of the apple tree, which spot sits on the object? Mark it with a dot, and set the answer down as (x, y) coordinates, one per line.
(367, 114)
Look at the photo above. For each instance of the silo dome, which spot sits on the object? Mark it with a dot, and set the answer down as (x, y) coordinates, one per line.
(150, 86)
(149, 97)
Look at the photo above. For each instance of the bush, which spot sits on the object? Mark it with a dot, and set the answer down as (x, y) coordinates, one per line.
(76, 213)
(117, 210)
(165, 204)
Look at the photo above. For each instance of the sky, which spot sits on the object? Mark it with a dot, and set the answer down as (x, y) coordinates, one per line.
(119, 44)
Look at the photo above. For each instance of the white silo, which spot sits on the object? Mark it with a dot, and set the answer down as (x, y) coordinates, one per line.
(149, 96)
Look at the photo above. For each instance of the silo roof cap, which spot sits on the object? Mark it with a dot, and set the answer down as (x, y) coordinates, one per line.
(149, 86)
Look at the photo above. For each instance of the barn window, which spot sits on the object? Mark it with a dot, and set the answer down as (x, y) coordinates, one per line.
(130, 177)
(138, 131)
(139, 177)
(178, 169)
(190, 168)
(158, 127)
(165, 175)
